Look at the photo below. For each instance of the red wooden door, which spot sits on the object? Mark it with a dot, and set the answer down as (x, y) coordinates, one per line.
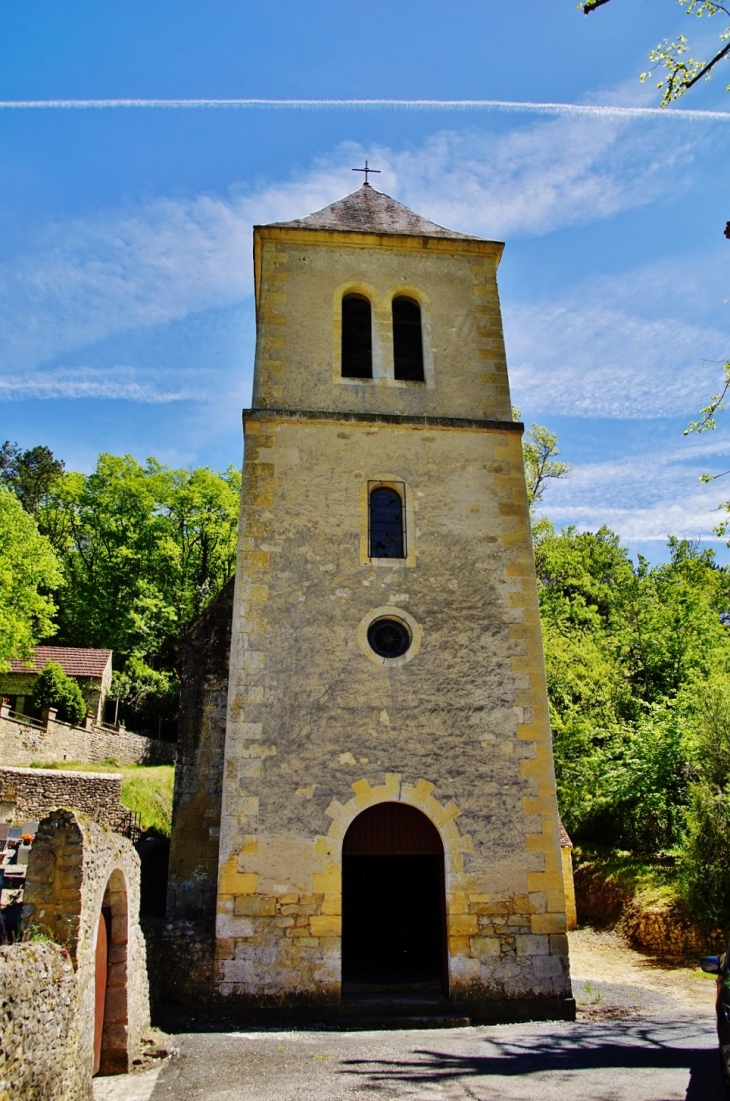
(100, 981)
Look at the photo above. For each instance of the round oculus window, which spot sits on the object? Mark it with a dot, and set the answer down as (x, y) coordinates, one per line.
(390, 638)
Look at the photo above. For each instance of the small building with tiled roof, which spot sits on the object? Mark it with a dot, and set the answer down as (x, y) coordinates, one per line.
(91, 668)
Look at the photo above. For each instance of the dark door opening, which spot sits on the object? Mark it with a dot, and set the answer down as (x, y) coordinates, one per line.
(393, 903)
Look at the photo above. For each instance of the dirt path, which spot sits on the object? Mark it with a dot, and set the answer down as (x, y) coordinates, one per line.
(603, 959)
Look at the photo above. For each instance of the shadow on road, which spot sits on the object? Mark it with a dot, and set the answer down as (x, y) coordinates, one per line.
(625, 1046)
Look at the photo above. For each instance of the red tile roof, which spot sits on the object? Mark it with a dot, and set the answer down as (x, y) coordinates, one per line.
(565, 842)
(74, 661)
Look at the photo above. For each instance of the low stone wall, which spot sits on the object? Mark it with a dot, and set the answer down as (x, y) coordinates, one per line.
(35, 792)
(38, 1019)
(662, 929)
(21, 744)
(668, 932)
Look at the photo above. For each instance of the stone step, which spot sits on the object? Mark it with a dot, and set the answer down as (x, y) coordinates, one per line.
(382, 1021)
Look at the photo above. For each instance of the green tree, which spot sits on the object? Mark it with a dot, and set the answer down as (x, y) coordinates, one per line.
(29, 571)
(143, 549)
(681, 72)
(53, 688)
(540, 453)
(626, 644)
(31, 474)
(704, 863)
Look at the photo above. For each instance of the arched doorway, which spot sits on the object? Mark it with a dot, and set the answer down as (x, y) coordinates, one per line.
(393, 899)
(101, 978)
(111, 1055)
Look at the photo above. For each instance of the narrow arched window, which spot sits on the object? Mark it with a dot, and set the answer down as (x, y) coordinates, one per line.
(407, 339)
(387, 539)
(357, 337)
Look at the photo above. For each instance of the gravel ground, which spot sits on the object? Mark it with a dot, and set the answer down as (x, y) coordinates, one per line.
(644, 1033)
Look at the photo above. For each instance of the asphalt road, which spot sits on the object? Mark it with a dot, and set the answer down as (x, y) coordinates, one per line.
(649, 1056)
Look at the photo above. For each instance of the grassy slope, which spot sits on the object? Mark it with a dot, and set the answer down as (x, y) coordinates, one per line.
(146, 789)
(646, 879)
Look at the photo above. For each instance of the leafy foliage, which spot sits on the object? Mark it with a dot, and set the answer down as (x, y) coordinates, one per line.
(625, 646)
(142, 549)
(681, 72)
(31, 474)
(540, 452)
(53, 688)
(29, 571)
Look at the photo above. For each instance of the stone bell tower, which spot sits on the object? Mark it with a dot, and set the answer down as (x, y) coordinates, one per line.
(389, 818)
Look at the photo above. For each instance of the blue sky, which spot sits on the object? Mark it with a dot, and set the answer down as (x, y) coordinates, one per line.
(126, 318)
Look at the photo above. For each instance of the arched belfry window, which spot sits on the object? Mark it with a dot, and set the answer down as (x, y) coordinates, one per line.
(387, 529)
(407, 339)
(357, 337)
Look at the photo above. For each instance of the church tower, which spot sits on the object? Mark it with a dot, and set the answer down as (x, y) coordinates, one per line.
(389, 817)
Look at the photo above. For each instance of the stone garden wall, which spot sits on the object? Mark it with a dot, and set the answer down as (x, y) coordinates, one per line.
(22, 743)
(35, 792)
(38, 1025)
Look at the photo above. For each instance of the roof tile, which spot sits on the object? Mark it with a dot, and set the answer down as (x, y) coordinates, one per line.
(369, 211)
(74, 661)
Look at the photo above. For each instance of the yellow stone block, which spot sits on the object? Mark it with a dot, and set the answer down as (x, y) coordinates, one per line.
(556, 902)
(327, 925)
(250, 844)
(544, 881)
(254, 906)
(533, 732)
(548, 923)
(459, 946)
(539, 842)
(332, 904)
(233, 882)
(327, 883)
(539, 804)
(463, 925)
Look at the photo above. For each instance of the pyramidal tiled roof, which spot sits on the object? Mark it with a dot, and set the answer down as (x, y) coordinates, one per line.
(369, 211)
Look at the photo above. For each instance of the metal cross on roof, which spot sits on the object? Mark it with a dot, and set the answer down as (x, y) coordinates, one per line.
(366, 169)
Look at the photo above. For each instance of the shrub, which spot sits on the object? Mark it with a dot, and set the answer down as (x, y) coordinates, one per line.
(53, 688)
(704, 863)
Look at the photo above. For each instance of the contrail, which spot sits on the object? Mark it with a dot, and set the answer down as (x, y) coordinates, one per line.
(368, 105)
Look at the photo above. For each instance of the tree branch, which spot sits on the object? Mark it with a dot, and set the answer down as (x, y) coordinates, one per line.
(698, 76)
(591, 5)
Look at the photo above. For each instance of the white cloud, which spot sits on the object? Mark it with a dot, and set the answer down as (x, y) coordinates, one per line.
(646, 496)
(127, 383)
(90, 279)
(622, 347)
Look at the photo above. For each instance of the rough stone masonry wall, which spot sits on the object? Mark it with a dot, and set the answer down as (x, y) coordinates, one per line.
(77, 867)
(196, 808)
(460, 732)
(35, 792)
(38, 1019)
(21, 744)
